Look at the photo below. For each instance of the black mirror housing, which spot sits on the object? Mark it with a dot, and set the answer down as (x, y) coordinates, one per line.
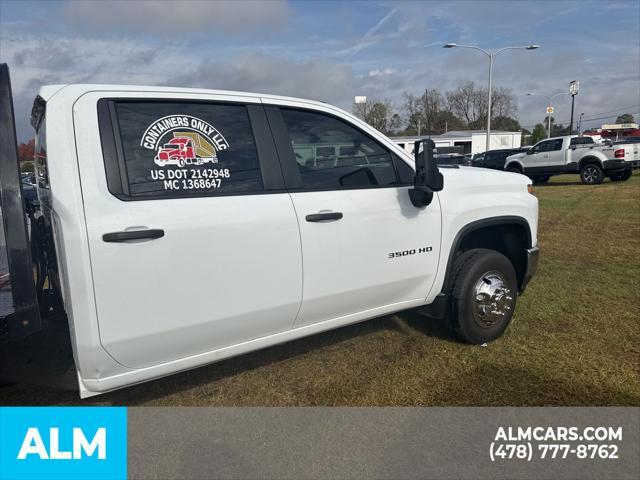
(428, 178)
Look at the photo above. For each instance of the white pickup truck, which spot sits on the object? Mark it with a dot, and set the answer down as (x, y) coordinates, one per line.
(574, 154)
(303, 219)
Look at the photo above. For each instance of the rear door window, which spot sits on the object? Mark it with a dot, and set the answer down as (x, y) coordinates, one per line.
(172, 149)
(581, 141)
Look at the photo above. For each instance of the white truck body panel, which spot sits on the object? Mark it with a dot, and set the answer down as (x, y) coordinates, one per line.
(141, 310)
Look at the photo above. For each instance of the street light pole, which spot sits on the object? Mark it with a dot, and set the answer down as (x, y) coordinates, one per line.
(490, 55)
(549, 107)
(488, 145)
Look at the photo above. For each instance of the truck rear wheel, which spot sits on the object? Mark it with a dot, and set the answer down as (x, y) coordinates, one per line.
(483, 295)
(622, 176)
(591, 174)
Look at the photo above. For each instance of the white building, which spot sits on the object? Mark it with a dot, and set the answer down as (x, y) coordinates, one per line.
(472, 141)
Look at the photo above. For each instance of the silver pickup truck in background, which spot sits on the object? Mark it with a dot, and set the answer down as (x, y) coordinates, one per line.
(575, 154)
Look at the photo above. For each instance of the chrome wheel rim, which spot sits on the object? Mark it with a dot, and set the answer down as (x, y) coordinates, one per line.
(492, 299)
(590, 174)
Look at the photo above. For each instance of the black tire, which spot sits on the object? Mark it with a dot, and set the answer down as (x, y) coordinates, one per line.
(514, 169)
(467, 314)
(540, 178)
(591, 174)
(622, 176)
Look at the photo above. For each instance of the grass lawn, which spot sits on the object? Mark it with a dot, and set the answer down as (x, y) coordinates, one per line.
(575, 338)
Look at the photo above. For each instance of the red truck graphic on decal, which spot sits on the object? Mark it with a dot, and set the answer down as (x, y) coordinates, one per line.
(186, 148)
(178, 152)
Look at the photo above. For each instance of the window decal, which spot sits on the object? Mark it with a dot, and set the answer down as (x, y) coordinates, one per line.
(196, 142)
(181, 140)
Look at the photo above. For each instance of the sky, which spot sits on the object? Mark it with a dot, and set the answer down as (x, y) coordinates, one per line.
(332, 50)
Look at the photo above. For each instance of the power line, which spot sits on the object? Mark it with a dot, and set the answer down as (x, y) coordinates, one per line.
(594, 116)
(609, 113)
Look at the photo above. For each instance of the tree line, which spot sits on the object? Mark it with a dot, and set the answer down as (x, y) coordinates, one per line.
(463, 108)
(435, 112)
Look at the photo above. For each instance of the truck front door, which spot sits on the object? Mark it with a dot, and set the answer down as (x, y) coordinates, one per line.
(365, 246)
(556, 155)
(186, 258)
(537, 158)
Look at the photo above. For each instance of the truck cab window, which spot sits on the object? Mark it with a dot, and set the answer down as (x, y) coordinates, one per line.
(331, 154)
(405, 172)
(173, 149)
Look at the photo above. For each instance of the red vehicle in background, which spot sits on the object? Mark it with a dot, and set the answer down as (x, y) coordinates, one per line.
(179, 151)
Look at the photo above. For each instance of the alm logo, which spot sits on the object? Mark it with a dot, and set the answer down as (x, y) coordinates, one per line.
(34, 445)
(69, 443)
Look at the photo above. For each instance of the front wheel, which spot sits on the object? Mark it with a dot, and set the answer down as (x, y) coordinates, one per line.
(539, 179)
(591, 174)
(514, 169)
(483, 294)
(622, 176)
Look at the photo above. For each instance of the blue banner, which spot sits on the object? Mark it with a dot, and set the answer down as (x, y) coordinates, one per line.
(63, 443)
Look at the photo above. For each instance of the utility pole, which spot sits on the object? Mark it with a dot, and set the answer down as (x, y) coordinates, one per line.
(426, 110)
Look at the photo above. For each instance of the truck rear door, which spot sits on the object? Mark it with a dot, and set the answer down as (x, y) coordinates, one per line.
(194, 253)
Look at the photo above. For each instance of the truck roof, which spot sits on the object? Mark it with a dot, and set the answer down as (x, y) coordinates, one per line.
(563, 137)
(48, 91)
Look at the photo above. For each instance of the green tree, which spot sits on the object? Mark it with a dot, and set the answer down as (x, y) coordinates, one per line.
(26, 167)
(625, 118)
(379, 114)
(505, 123)
(538, 133)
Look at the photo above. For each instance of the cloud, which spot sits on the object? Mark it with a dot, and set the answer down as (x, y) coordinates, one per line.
(381, 72)
(179, 18)
(316, 79)
(306, 61)
(369, 39)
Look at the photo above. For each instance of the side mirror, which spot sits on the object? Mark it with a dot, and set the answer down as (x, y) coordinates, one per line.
(428, 178)
(530, 151)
